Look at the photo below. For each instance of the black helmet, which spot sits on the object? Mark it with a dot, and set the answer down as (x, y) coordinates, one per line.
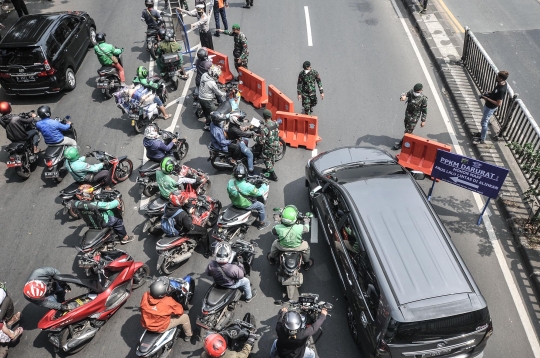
(217, 117)
(292, 322)
(149, 3)
(240, 171)
(100, 36)
(169, 35)
(162, 32)
(202, 54)
(44, 112)
(160, 287)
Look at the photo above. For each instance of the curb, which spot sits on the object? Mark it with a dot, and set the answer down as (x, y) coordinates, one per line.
(509, 202)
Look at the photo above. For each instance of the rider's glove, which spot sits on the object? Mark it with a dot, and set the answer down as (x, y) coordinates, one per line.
(251, 339)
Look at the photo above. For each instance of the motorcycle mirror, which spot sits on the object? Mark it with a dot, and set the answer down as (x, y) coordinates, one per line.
(78, 248)
(315, 192)
(308, 214)
(252, 242)
(68, 117)
(277, 209)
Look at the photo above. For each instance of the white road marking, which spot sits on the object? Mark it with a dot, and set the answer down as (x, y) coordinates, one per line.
(516, 297)
(314, 152)
(308, 25)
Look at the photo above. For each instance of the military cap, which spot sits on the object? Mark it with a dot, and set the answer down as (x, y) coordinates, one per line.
(418, 87)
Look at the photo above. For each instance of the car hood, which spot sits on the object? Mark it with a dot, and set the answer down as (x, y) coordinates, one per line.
(346, 155)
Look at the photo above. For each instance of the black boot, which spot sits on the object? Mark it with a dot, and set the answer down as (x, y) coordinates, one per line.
(398, 145)
(271, 175)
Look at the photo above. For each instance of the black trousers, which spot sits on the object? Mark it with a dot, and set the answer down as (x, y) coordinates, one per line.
(20, 7)
(6, 309)
(118, 226)
(207, 108)
(203, 233)
(103, 175)
(206, 39)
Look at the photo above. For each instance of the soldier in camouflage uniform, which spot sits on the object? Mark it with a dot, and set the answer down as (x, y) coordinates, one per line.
(307, 92)
(269, 139)
(416, 110)
(240, 51)
(183, 3)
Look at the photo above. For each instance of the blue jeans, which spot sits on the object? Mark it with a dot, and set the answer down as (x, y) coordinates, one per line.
(158, 101)
(260, 209)
(248, 153)
(488, 112)
(244, 285)
(309, 353)
(217, 12)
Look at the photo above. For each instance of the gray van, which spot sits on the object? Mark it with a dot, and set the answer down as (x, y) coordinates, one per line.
(409, 292)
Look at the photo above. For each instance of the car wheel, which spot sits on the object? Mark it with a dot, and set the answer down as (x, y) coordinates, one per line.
(92, 37)
(71, 81)
(351, 322)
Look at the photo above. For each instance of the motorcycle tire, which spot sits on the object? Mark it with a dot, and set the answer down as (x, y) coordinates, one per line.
(203, 189)
(139, 126)
(24, 172)
(156, 229)
(282, 149)
(167, 267)
(174, 83)
(152, 50)
(142, 273)
(192, 292)
(150, 190)
(164, 95)
(123, 170)
(182, 151)
(213, 162)
(214, 215)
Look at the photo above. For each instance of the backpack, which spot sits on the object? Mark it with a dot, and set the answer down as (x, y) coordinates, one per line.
(167, 224)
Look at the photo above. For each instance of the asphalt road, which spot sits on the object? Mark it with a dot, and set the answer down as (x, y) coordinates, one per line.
(365, 61)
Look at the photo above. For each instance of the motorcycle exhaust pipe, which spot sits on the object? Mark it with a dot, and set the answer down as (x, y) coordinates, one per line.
(182, 257)
(91, 332)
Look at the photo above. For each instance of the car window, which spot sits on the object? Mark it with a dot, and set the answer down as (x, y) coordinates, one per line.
(52, 47)
(368, 282)
(62, 32)
(24, 56)
(72, 23)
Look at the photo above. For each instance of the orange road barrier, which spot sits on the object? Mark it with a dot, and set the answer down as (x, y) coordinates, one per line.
(252, 87)
(277, 101)
(222, 61)
(419, 153)
(298, 129)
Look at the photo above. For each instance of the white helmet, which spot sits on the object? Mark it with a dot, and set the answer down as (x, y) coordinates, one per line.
(237, 117)
(150, 132)
(222, 252)
(214, 72)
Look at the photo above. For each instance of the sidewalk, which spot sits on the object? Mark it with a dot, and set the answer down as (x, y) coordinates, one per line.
(445, 48)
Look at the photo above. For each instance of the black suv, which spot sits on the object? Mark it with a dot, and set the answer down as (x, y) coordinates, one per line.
(40, 53)
(409, 293)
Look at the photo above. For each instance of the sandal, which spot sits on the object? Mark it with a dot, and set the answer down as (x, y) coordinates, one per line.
(16, 317)
(167, 116)
(184, 77)
(17, 333)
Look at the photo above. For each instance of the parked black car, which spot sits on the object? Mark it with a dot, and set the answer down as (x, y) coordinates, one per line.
(409, 292)
(41, 53)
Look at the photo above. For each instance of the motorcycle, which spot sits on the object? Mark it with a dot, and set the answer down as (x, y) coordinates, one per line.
(21, 154)
(109, 79)
(235, 222)
(152, 39)
(237, 333)
(153, 344)
(54, 155)
(71, 331)
(290, 262)
(224, 106)
(219, 302)
(147, 179)
(171, 67)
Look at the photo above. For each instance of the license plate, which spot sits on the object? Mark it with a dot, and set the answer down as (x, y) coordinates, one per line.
(25, 78)
(134, 115)
(102, 85)
(51, 175)
(13, 164)
(85, 264)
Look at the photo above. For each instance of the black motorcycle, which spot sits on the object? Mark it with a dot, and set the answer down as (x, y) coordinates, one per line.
(21, 154)
(54, 155)
(152, 38)
(223, 104)
(171, 68)
(109, 79)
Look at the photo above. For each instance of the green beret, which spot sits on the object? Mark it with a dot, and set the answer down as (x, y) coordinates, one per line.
(306, 64)
(418, 87)
(236, 27)
(267, 114)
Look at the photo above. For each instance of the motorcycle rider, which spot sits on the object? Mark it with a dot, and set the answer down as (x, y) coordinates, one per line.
(237, 131)
(289, 235)
(218, 138)
(229, 275)
(240, 192)
(156, 149)
(107, 55)
(269, 140)
(142, 79)
(51, 130)
(168, 181)
(292, 339)
(202, 64)
(86, 204)
(160, 312)
(208, 90)
(215, 346)
(7, 308)
(151, 16)
(17, 126)
(168, 44)
(44, 288)
(83, 172)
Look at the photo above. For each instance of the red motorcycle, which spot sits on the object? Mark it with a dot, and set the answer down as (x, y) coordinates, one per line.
(118, 275)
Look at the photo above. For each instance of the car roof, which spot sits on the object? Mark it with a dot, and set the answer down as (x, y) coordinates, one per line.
(30, 29)
(346, 155)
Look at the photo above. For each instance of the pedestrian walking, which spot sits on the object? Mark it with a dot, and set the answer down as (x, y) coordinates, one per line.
(424, 6)
(219, 9)
(20, 7)
(493, 101)
(307, 92)
(416, 110)
(202, 23)
(249, 3)
(240, 51)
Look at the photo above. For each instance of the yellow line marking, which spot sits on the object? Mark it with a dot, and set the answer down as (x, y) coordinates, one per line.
(452, 17)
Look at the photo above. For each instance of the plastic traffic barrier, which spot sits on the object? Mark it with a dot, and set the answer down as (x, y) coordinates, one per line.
(298, 129)
(419, 153)
(222, 61)
(253, 88)
(277, 101)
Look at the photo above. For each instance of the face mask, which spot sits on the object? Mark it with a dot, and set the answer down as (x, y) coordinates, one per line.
(306, 71)
(416, 94)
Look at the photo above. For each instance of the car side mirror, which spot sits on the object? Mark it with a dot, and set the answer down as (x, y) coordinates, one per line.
(418, 175)
(315, 192)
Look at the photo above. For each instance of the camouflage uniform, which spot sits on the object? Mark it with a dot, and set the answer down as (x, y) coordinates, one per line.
(269, 139)
(183, 3)
(416, 110)
(306, 88)
(240, 50)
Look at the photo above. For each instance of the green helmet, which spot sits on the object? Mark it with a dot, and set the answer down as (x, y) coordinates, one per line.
(289, 215)
(142, 72)
(167, 165)
(71, 153)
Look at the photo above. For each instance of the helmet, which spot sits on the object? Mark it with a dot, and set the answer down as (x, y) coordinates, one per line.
(292, 322)
(35, 289)
(289, 215)
(5, 107)
(202, 54)
(71, 153)
(240, 172)
(151, 133)
(162, 32)
(100, 37)
(178, 198)
(160, 287)
(169, 35)
(44, 112)
(237, 117)
(215, 345)
(149, 3)
(222, 252)
(214, 72)
(85, 192)
(167, 165)
(142, 72)
(199, 7)
(217, 117)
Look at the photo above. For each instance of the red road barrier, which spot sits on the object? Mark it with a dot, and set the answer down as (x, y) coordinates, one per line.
(277, 101)
(418, 153)
(253, 88)
(299, 129)
(222, 61)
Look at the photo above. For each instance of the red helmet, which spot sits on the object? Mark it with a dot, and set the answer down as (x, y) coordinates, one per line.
(215, 345)
(35, 289)
(178, 198)
(5, 107)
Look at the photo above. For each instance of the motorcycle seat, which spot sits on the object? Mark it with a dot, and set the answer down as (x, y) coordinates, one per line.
(149, 339)
(15, 147)
(168, 240)
(93, 285)
(53, 151)
(291, 259)
(218, 294)
(233, 212)
(158, 203)
(149, 166)
(92, 237)
(107, 70)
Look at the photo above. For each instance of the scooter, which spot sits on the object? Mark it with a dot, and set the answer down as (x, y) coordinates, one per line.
(171, 68)
(147, 179)
(71, 331)
(21, 154)
(109, 79)
(54, 155)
